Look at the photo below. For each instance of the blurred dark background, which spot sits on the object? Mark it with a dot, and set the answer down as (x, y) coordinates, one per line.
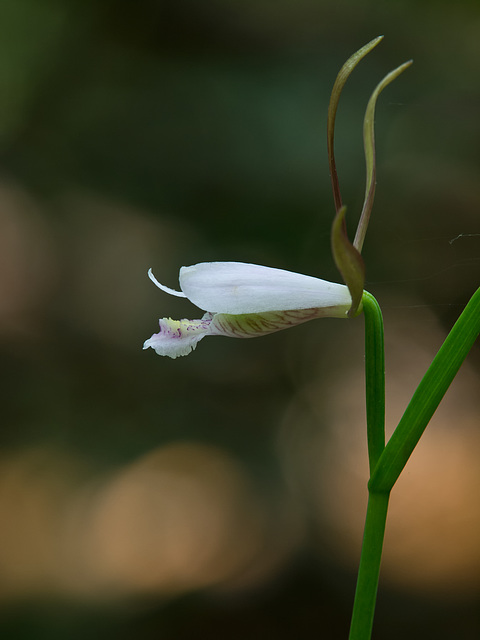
(222, 495)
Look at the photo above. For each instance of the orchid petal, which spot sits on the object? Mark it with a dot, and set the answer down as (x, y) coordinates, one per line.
(180, 337)
(254, 325)
(241, 288)
(172, 292)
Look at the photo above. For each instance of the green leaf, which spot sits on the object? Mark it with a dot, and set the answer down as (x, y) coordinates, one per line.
(427, 397)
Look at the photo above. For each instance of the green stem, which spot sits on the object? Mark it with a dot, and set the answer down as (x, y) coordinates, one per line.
(374, 378)
(427, 397)
(369, 569)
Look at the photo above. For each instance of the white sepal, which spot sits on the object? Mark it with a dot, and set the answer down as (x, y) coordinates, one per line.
(238, 287)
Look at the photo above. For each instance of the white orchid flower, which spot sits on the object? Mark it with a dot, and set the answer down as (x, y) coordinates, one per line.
(244, 301)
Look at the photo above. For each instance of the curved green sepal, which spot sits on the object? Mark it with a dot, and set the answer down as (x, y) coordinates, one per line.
(340, 81)
(348, 260)
(369, 147)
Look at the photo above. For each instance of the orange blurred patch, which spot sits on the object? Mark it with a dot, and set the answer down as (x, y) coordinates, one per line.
(183, 517)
